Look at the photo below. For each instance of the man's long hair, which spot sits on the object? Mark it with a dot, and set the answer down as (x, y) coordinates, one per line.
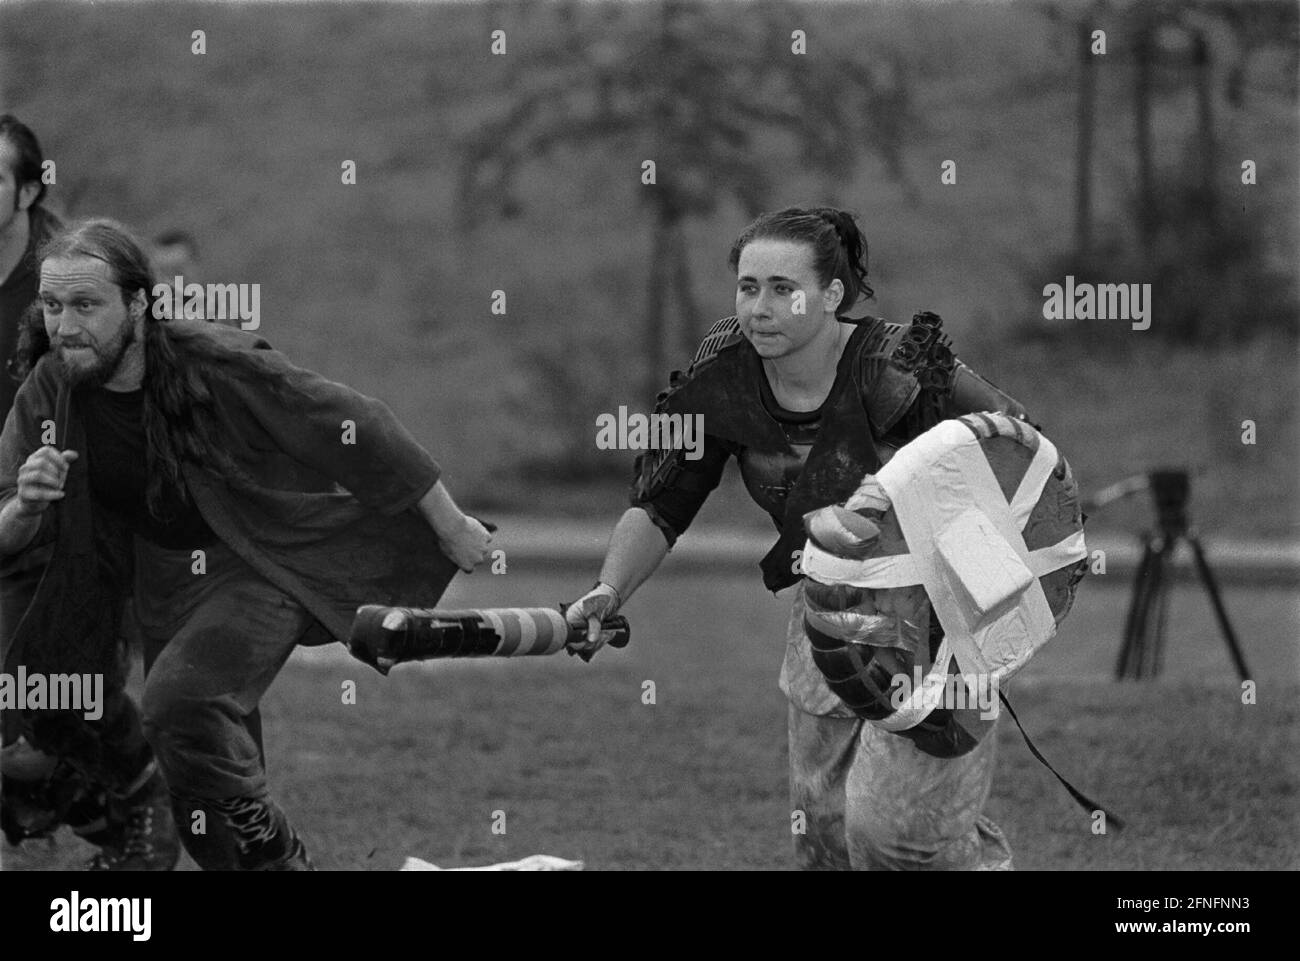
(180, 415)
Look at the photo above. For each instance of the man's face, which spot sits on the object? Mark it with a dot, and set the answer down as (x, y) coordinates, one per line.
(14, 198)
(89, 326)
(772, 278)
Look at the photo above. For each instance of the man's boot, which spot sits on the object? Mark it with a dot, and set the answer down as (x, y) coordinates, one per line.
(146, 837)
(263, 836)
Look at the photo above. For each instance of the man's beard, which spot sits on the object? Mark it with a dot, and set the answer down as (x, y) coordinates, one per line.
(108, 357)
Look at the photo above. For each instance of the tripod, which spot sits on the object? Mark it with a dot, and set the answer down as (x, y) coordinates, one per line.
(1142, 653)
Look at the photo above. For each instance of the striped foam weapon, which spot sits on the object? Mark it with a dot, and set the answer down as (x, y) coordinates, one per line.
(385, 636)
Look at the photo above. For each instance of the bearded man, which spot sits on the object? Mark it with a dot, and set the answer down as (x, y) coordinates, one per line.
(253, 504)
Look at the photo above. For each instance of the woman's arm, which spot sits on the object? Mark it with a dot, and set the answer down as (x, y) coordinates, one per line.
(668, 492)
(636, 549)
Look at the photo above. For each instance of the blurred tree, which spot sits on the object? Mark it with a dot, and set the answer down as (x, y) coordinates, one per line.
(1156, 35)
(1085, 120)
(711, 93)
(1196, 34)
(1209, 261)
(1080, 25)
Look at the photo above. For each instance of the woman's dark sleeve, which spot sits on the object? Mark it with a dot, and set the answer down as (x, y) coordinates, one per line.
(671, 488)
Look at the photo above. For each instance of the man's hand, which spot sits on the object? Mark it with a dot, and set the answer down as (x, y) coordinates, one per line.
(465, 542)
(590, 610)
(41, 480)
(462, 538)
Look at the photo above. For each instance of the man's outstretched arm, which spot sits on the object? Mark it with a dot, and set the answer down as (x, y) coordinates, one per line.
(462, 538)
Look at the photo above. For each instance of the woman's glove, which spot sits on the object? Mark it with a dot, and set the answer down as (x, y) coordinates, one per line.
(588, 611)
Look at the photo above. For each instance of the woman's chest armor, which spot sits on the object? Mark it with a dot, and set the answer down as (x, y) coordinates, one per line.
(770, 475)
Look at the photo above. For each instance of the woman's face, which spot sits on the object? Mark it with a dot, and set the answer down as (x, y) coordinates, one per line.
(779, 303)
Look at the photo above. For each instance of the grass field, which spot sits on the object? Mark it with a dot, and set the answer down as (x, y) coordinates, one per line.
(583, 769)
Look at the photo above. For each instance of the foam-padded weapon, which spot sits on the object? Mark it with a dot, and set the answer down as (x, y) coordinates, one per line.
(384, 636)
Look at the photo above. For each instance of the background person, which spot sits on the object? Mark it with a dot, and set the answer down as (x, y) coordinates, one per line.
(175, 253)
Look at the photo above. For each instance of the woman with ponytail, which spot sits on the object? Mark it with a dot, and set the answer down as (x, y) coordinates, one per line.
(809, 401)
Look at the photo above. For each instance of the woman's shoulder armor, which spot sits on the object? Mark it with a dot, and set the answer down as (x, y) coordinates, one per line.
(722, 335)
(901, 360)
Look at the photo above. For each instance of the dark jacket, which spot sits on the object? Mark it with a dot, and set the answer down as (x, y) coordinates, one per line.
(333, 524)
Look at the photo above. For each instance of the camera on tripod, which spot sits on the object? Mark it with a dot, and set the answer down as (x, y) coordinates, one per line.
(1142, 652)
